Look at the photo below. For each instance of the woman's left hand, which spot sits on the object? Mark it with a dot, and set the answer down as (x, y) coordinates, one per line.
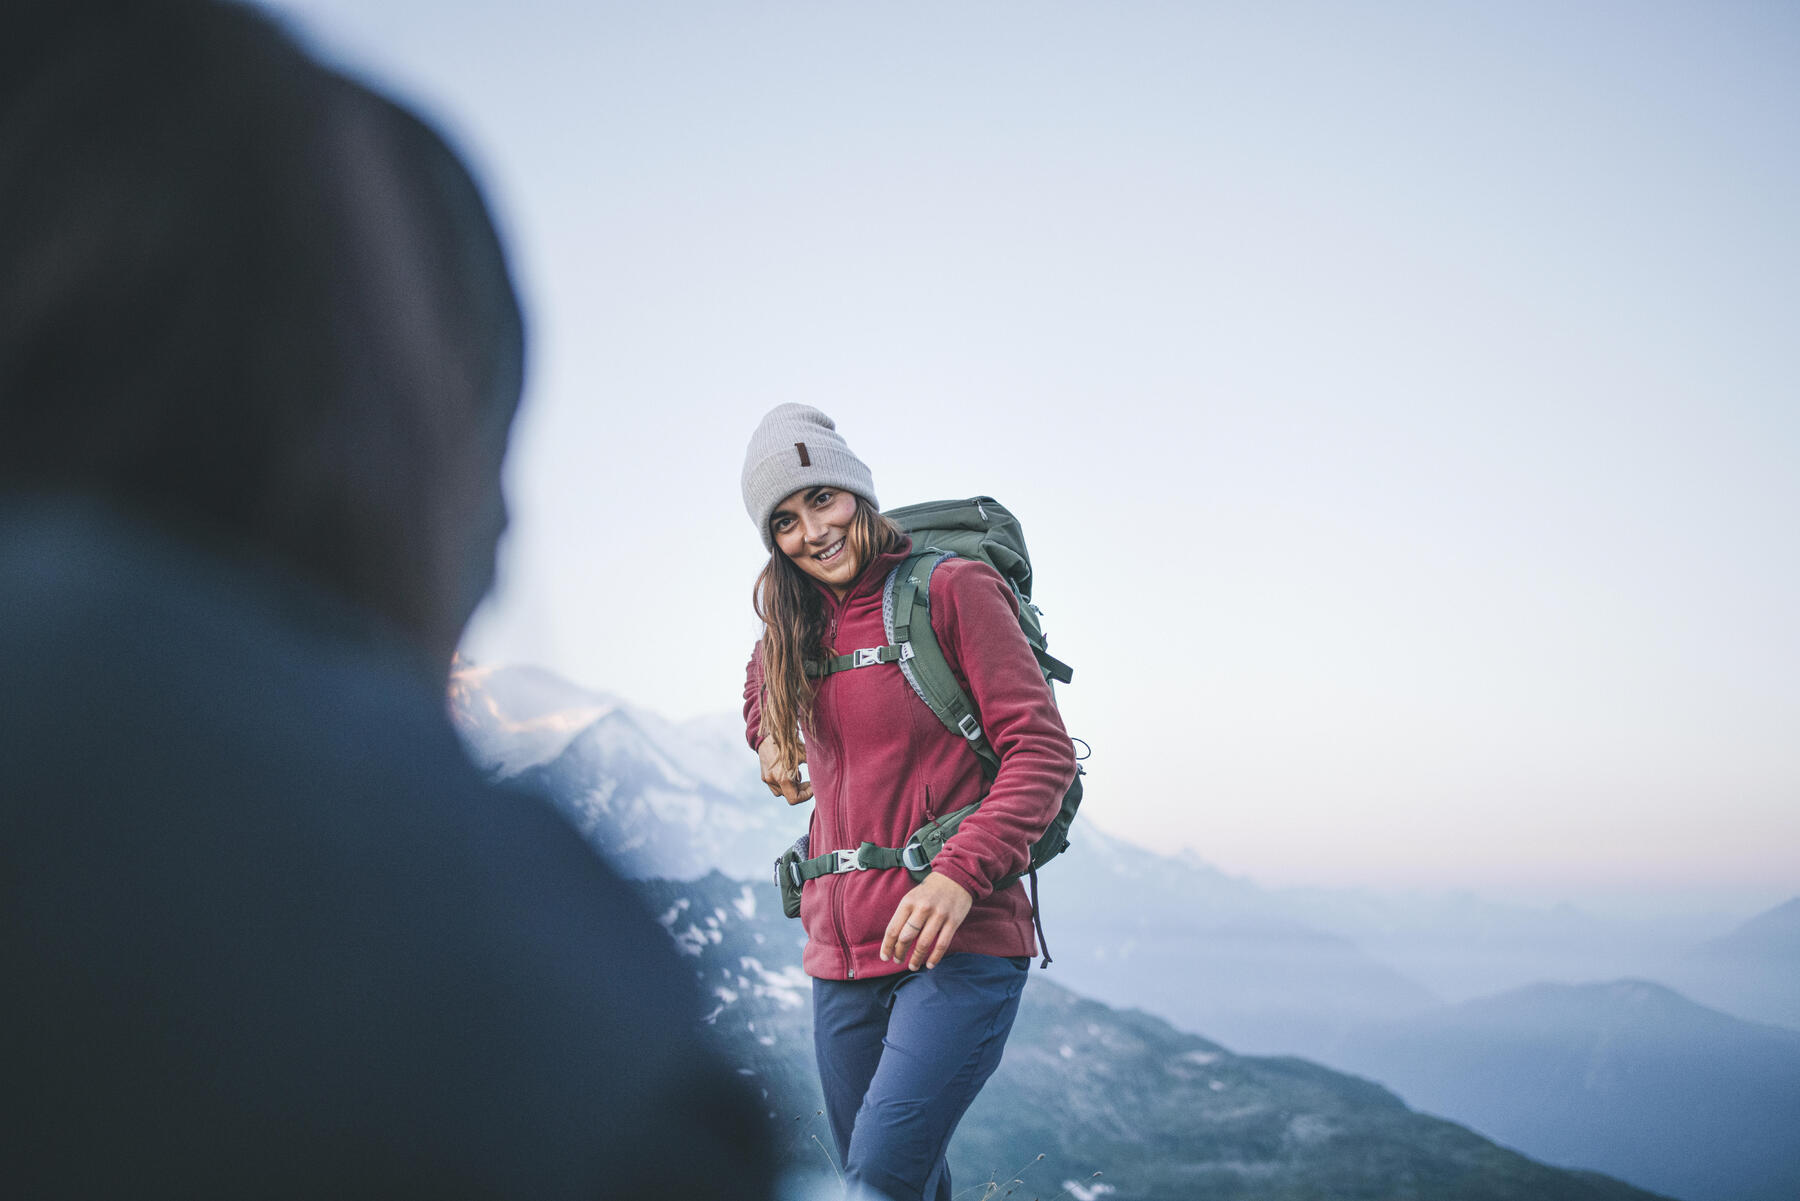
(926, 921)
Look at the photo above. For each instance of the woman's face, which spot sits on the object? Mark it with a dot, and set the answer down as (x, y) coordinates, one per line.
(812, 527)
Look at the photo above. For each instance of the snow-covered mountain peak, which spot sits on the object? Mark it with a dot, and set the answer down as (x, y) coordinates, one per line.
(515, 718)
(658, 798)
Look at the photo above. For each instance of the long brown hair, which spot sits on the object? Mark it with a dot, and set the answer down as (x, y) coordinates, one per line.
(793, 614)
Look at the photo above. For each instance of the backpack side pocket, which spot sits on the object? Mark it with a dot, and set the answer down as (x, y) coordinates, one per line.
(787, 877)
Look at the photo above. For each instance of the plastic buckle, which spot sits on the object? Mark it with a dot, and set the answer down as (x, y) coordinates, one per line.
(794, 873)
(865, 657)
(906, 651)
(848, 861)
(906, 857)
(969, 727)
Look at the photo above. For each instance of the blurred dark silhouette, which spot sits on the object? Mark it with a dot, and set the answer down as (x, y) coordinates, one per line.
(263, 929)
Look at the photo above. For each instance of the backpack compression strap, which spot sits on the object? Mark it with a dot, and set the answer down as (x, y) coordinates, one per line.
(1053, 667)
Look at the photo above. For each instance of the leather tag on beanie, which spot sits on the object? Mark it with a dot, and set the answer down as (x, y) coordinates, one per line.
(805, 459)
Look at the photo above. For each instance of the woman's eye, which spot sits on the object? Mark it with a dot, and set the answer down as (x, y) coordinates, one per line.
(822, 498)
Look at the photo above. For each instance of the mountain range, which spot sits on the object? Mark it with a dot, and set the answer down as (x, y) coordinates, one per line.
(1753, 972)
(674, 800)
(1258, 970)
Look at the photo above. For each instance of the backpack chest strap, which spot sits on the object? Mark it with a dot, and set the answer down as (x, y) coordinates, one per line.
(906, 606)
(868, 656)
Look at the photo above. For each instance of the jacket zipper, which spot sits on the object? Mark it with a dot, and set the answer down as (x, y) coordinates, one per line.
(837, 882)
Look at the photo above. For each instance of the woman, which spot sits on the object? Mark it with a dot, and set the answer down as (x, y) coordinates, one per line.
(914, 986)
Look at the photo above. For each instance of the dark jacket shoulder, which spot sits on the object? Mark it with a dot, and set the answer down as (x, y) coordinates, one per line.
(269, 929)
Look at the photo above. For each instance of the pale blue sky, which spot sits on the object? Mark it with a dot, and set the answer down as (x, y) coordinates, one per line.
(1399, 398)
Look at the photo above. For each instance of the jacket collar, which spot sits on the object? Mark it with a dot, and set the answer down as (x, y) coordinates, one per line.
(873, 575)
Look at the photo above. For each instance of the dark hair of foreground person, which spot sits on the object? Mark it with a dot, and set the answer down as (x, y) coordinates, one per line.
(264, 931)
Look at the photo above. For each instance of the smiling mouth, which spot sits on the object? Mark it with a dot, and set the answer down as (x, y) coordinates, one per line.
(830, 553)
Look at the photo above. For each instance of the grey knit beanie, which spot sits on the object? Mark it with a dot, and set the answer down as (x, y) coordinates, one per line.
(796, 447)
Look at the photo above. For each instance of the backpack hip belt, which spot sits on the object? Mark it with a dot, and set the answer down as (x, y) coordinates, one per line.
(916, 856)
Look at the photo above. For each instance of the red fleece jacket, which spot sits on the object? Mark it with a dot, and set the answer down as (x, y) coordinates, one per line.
(881, 765)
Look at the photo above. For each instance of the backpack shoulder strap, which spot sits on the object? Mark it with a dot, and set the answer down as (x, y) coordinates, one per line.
(906, 616)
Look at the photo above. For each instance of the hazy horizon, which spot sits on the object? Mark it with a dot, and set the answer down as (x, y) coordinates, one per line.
(1703, 913)
(1399, 400)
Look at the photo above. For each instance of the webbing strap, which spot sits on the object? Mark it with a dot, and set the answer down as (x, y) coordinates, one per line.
(903, 596)
(1053, 667)
(1037, 920)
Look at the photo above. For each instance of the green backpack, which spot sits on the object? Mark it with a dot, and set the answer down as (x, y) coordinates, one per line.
(977, 528)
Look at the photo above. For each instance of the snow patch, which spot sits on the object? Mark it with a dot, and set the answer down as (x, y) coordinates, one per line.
(1081, 1191)
(1309, 1129)
(668, 919)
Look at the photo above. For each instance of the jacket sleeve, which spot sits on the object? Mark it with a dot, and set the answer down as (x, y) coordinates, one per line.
(753, 689)
(975, 617)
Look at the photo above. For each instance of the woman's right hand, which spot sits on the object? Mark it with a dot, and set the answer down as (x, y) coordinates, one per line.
(792, 787)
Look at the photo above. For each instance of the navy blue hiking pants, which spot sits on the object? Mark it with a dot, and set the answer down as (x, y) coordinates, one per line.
(901, 1057)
